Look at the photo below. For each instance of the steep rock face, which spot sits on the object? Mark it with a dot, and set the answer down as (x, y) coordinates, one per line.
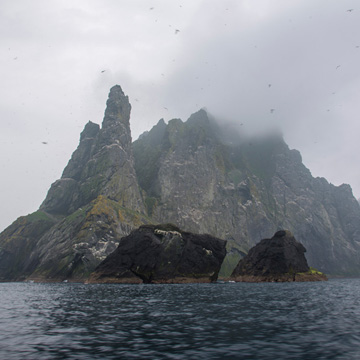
(280, 258)
(325, 218)
(244, 189)
(74, 247)
(86, 212)
(18, 241)
(194, 184)
(102, 164)
(162, 254)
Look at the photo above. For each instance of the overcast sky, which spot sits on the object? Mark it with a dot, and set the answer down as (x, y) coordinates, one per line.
(237, 58)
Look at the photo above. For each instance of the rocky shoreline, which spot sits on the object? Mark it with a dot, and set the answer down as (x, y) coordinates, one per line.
(281, 278)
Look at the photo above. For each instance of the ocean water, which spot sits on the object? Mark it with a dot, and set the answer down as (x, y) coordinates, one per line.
(191, 321)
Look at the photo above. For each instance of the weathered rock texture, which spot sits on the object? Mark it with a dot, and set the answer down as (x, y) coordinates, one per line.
(194, 174)
(280, 258)
(199, 177)
(162, 254)
(86, 212)
(102, 164)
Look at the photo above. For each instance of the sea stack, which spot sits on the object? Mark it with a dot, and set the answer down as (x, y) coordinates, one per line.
(279, 259)
(162, 254)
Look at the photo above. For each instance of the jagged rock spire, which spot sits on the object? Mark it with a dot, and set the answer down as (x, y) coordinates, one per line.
(117, 108)
(101, 165)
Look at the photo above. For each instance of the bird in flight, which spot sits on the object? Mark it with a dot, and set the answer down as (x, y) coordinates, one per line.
(177, 31)
(44, 142)
(350, 10)
(102, 71)
(272, 110)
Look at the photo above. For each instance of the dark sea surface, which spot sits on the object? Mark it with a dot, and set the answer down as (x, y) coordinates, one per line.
(193, 321)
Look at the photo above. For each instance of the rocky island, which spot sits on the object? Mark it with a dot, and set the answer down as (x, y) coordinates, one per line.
(198, 174)
(279, 259)
(162, 254)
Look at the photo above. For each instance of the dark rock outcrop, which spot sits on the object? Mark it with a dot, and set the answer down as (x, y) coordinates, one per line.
(162, 254)
(280, 258)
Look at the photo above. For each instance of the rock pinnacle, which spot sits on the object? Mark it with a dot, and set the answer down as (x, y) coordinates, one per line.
(117, 107)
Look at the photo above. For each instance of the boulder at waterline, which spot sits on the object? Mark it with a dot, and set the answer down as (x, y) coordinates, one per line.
(162, 254)
(280, 258)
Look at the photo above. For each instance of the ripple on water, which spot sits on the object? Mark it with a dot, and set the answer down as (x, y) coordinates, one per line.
(190, 321)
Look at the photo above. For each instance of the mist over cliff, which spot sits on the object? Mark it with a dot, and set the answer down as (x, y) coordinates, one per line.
(199, 174)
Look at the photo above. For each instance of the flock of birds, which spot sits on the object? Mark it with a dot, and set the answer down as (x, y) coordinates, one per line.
(272, 110)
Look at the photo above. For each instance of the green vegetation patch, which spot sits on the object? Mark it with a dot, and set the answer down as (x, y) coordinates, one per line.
(79, 214)
(39, 215)
(313, 271)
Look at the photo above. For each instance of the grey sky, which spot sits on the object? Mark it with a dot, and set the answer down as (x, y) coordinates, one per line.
(239, 59)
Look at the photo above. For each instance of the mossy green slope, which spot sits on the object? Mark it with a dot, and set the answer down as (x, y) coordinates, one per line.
(76, 245)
